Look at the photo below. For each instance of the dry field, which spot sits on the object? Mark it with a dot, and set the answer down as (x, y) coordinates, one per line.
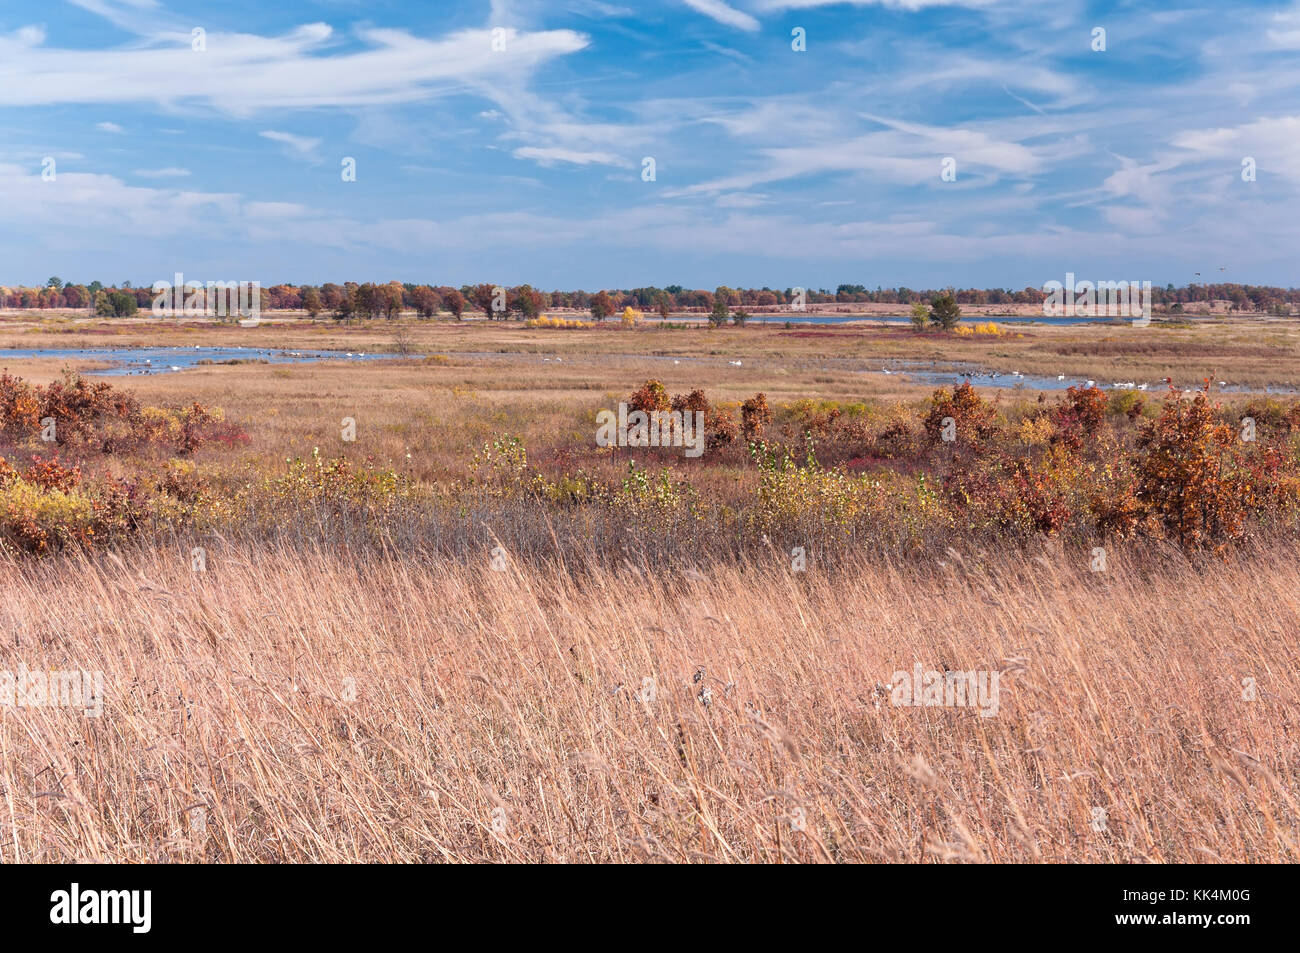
(336, 688)
(804, 361)
(300, 705)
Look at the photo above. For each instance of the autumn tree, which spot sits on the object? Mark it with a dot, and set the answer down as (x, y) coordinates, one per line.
(526, 302)
(345, 303)
(392, 298)
(311, 301)
(453, 301)
(486, 299)
(330, 295)
(365, 300)
(663, 306)
(602, 306)
(425, 300)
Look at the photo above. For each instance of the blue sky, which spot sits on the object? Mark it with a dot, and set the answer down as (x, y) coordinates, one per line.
(772, 166)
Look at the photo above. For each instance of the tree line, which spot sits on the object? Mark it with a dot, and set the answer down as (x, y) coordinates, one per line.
(351, 300)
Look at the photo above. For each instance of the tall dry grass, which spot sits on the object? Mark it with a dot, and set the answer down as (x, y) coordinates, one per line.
(299, 704)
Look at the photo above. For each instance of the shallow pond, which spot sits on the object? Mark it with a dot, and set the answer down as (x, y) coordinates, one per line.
(124, 361)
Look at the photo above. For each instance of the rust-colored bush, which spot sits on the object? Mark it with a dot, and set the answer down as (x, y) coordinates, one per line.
(1079, 417)
(755, 415)
(650, 397)
(975, 418)
(1191, 473)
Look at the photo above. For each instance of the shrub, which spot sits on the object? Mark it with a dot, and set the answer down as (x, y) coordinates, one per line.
(975, 419)
(719, 313)
(754, 417)
(1079, 417)
(98, 417)
(115, 304)
(649, 398)
(1190, 473)
(919, 315)
(50, 507)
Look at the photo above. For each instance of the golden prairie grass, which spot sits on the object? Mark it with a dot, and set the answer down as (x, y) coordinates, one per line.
(314, 704)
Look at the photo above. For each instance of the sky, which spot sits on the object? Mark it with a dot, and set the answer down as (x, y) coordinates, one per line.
(614, 144)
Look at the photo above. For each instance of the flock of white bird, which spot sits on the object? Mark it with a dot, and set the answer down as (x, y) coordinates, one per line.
(1016, 375)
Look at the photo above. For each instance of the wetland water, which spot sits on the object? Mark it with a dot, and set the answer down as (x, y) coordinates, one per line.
(126, 361)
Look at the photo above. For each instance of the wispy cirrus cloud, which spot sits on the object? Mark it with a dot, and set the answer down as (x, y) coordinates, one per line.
(724, 13)
(242, 74)
(552, 155)
(303, 147)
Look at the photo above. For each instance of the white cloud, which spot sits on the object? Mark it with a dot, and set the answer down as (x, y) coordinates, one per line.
(242, 74)
(902, 153)
(724, 14)
(30, 36)
(104, 202)
(1285, 33)
(109, 127)
(549, 155)
(171, 172)
(301, 146)
(135, 16)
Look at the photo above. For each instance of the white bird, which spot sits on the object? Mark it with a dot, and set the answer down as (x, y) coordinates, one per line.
(1223, 383)
(1092, 383)
(175, 368)
(1060, 377)
(887, 370)
(1142, 386)
(734, 363)
(676, 362)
